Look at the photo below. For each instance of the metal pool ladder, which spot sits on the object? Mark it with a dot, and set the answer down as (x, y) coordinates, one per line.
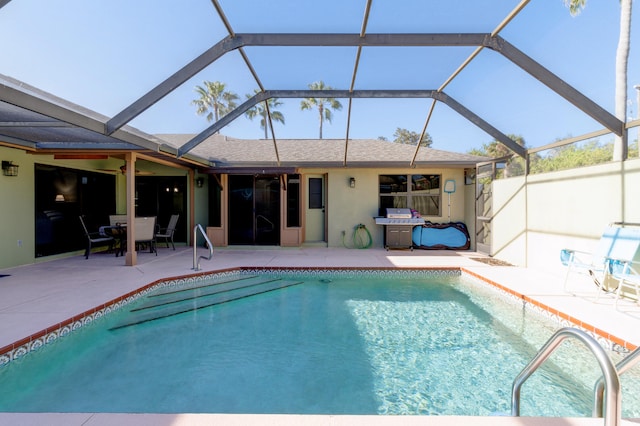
(629, 361)
(610, 379)
(196, 259)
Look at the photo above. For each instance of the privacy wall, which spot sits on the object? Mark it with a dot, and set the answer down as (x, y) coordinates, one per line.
(538, 215)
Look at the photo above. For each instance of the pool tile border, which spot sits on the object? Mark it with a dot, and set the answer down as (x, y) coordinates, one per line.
(51, 334)
(605, 339)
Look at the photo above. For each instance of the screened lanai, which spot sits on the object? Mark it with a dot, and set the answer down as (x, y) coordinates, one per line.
(79, 75)
(117, 85)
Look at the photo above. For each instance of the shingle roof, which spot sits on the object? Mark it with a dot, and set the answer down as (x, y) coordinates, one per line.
(231, 152)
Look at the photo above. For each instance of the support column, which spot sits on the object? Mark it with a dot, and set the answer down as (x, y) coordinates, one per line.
(131, 258)
(192, 205)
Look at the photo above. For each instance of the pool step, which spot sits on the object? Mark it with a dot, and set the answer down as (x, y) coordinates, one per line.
(173, 290)
(181, 295)
(167, 309)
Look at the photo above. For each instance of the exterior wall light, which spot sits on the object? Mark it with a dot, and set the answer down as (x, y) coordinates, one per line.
(352, 182)
(9, 169)
(200, 182)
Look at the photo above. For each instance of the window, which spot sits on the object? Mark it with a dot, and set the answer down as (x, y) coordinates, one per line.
(61, 195)
(418, 192)
(315, 193)
(293, 201)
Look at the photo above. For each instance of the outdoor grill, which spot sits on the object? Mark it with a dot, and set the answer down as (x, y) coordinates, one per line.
(399, 225)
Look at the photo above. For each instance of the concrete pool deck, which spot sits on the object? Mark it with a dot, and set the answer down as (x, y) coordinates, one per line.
(35, 297)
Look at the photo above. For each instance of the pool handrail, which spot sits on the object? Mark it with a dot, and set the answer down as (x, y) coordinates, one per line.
(626, 364)
(613, 411)
(196, 260)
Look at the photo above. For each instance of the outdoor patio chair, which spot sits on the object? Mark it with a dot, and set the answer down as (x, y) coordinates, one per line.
(167, 233)
(145, 234)
(616, 242)
(622, 276)
(145, 229)
(94, 238)
(117, 219)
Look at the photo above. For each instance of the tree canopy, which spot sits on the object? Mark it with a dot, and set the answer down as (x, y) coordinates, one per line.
(409, 137)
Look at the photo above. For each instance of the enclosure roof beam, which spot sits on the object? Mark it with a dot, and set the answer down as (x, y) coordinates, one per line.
(349, 94)
(174, 81)
(556, 84)
(488, 128)
(494, 42)
(237, 41)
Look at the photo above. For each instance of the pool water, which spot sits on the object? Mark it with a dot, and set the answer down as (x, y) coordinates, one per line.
(343, 343)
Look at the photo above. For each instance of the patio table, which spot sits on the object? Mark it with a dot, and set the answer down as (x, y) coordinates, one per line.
(119, 232)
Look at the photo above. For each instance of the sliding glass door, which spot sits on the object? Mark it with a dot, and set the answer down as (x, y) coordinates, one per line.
(254, 210)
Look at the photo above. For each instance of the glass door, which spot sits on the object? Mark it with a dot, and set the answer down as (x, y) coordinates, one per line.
(254, 210)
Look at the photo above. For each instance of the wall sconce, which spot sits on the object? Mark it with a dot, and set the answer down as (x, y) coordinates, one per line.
(200, 182)
(352, 182)
(9, 169)
(59, 198)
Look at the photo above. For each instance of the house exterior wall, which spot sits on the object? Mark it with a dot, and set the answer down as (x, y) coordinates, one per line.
(348, 207)
(538, 215)
(17, 215)
(17, 224)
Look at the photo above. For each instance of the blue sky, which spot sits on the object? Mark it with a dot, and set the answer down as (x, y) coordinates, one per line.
(105, 54)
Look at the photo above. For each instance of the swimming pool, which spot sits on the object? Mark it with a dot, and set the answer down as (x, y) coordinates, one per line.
(349, 342)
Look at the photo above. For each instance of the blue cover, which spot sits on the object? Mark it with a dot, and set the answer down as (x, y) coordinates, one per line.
(416, 235)
(452, 236)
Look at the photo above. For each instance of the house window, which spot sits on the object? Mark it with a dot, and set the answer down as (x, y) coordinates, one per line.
(418, 192)
(315, 193)
(293, 201)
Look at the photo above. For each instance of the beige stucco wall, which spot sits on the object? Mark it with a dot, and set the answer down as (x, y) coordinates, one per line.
(535, 217)
(347, 207)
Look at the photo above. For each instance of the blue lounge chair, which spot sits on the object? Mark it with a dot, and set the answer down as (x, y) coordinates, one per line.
(621, 276)
(617, 242)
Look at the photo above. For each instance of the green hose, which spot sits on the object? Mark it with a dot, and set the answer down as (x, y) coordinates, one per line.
(361, 238)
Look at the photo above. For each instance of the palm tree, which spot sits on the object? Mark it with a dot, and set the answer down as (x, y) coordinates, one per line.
(622, 59)
(261, 110)
(214, 100)
(324, 105)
